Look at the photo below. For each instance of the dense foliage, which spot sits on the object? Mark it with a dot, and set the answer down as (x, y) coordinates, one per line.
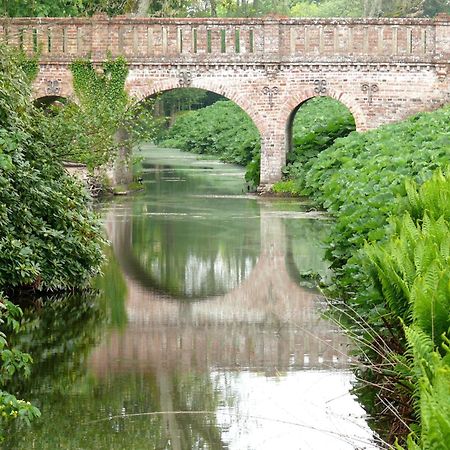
(62, 8)
(245, 8)
(222, 129)
(225, 130)
(105, 123)
(411, 279)
(91, 126)
(49, 239)
(358, 177)
(317, 124)
(169, 104)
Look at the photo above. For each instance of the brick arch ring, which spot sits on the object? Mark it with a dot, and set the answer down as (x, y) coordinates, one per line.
(294, 102)
(156, 87)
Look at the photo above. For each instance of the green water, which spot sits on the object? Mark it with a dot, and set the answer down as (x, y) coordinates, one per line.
(199, 335)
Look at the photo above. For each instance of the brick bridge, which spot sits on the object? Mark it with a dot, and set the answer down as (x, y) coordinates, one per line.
(382, 69)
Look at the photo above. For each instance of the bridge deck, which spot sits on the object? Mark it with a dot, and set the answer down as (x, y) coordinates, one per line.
(232, 40)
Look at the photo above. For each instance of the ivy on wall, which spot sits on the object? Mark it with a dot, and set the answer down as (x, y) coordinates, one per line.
(86, 131)
(29, 65)
(90, 129)
(106, 85)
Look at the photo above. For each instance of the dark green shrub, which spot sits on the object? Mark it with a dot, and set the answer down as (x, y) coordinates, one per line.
(49, 238)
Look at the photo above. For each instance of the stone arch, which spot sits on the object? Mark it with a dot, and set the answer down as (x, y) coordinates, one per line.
(155, 87)
(295, 102)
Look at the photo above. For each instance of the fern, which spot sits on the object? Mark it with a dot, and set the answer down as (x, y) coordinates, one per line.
(433, 381)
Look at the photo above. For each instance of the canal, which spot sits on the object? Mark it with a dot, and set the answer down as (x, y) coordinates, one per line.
(199, 334)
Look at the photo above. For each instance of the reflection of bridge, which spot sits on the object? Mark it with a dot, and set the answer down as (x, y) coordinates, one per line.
(382, 69)
(268, 323)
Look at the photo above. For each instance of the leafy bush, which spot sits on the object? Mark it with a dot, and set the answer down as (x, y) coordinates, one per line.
(13, 362)
(317, 124)
(432, 377)
(411, 274)
(290, 187)
(402, 276)
(106, 123)
(49, 238)
(404, 302)
(359, 177)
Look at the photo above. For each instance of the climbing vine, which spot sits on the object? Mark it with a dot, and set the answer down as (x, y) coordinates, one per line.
(105, 110)
(91, 126)
(29, 64)
(105, 85)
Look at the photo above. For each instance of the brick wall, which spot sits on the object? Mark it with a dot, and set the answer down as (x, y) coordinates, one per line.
(382, 69)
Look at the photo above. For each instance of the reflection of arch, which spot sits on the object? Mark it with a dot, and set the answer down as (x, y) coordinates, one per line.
(168, 84)
(121, 234)
(270, 270)
(268, 323)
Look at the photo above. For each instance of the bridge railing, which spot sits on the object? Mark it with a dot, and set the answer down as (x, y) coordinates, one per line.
(230, 40)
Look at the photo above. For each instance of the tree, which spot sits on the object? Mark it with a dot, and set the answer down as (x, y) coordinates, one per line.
(62, 8)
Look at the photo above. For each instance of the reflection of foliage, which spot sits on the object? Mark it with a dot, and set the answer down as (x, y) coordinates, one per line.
(58, 336)
(197, 393)
(113, 290)
(80, 418)
(66, 326)
(70, 419)
(193, 247)
(305, 252)
(13, 363)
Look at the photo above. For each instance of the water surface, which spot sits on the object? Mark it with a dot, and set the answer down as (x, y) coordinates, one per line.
(201, 335)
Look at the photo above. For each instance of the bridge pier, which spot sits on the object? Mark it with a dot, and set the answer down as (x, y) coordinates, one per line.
(273, 156)
(122, 170)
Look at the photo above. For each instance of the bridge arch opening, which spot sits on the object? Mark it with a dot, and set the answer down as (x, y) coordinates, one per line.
(314, 124)
(209, 122)
(49, 102)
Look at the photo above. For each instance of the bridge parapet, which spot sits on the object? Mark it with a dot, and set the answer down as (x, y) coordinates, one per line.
(232, 40)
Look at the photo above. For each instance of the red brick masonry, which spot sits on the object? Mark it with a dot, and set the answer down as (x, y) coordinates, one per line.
(383, 70)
